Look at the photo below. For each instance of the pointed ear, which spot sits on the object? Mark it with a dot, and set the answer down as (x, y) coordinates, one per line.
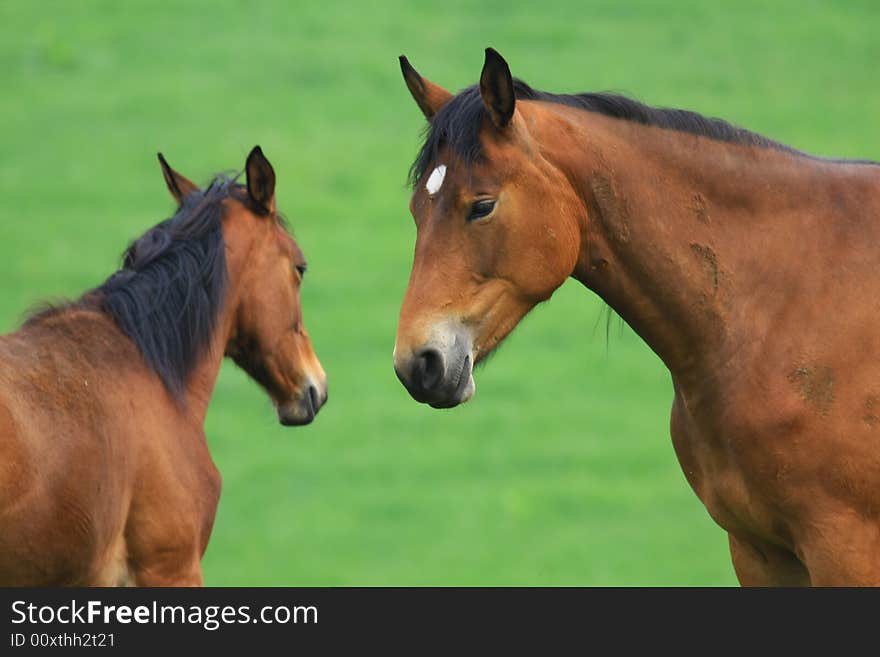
(179, 185)
(260, 180)
(428, 96)
(496, 88)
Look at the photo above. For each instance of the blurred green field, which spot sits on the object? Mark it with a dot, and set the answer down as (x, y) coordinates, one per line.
(561, 471)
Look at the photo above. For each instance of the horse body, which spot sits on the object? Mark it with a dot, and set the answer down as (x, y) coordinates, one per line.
(105, 476)
(75, 444)
(752, 273)
(749, 268)
(757, 286)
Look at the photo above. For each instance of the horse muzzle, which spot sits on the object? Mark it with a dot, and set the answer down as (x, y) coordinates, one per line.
(439, 373)
(303, 410)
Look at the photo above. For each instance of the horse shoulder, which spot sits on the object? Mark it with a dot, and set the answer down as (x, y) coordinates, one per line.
(179, 483)
(737, 446)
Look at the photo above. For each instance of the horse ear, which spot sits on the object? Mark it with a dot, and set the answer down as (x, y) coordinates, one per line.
(496, 89)
(428, 96)
(260, 180)
(179, 185)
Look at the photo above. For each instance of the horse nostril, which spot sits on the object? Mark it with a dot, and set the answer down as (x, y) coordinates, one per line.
(428, 369)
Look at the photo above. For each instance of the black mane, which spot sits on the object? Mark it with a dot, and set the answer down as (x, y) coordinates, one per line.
(457, 125)
(169, 292)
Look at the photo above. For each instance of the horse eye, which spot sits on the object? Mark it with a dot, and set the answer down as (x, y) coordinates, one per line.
(302, 270)
(480, 209)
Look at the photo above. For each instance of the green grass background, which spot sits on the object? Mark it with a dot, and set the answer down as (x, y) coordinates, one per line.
(561, 471)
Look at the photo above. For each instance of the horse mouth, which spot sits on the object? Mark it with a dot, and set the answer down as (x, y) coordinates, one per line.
(457, 396)
(296, 420)
(287, 421)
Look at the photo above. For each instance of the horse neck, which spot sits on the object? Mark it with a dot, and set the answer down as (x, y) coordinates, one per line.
(680, 233)
(203, 379)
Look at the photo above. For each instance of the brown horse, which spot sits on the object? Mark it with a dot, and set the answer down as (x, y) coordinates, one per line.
(750, 268)
(105, 475)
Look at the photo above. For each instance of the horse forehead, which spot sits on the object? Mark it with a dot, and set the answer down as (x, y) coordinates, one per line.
(241, 225)
(282, 238)
(237, 211)
(435, 181)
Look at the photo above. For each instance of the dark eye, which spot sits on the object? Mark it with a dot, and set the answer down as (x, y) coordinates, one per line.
(481, 209)
(302, 270)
